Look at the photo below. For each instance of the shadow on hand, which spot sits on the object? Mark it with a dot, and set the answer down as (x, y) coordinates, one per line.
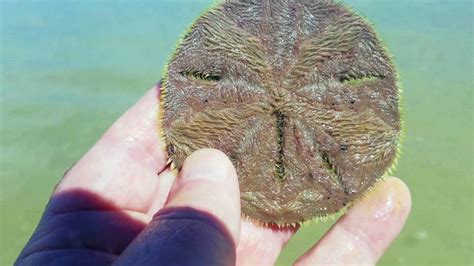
(80, 228)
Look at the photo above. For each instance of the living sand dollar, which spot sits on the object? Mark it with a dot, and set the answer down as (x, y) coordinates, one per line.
(301, 96)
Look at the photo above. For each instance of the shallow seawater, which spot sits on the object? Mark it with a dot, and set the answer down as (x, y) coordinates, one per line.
(68, 70)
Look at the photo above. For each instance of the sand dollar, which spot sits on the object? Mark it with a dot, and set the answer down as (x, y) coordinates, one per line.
(301, 95)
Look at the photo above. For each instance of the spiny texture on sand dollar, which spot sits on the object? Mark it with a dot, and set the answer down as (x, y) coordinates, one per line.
(300, 95)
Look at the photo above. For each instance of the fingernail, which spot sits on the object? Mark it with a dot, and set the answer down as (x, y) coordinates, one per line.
(208, 183)
(207, 164)
(388, 199)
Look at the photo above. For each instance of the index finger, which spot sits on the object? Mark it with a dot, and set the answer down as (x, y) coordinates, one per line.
(122, 166)
(365, 232)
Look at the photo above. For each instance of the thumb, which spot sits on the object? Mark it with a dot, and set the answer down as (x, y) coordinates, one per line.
(200, 224)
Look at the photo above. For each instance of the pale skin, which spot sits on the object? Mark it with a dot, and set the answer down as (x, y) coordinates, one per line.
(127, 170)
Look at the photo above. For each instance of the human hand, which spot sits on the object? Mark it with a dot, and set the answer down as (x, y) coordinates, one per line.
(121, 204)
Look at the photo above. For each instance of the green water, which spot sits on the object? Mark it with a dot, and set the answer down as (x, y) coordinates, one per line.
(68, 70)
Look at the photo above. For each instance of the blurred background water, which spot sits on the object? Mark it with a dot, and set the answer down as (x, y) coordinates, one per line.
(70, 68)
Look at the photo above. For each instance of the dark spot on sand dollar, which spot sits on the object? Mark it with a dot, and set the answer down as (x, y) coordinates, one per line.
(300, 94)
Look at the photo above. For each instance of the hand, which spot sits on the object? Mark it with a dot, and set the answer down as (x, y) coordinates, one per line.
(122, 204)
